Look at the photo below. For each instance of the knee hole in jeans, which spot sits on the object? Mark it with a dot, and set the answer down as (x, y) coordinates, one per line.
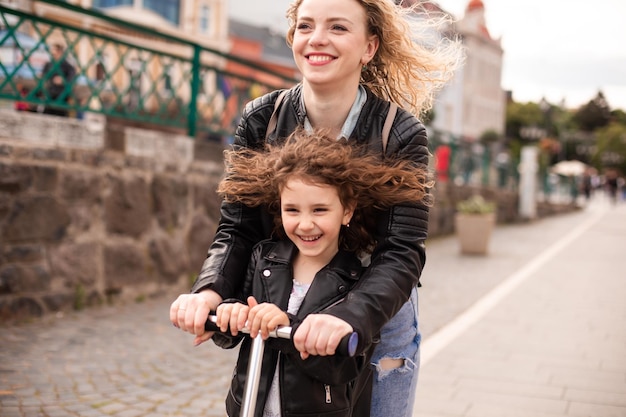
(389, 366)
(386, 364)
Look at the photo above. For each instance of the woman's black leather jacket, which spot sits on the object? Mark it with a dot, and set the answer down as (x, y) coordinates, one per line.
(319, 385)
(399, 257)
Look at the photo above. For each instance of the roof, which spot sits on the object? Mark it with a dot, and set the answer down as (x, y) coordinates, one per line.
(474, 5)
(275, 46)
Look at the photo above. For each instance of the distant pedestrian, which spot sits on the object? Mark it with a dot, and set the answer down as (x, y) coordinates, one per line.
(586, 185)
(21, 105)
(58, 74)
(612, 185)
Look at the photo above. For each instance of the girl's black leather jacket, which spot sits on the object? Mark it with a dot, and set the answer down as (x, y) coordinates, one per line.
(319, 385)
(399, 257)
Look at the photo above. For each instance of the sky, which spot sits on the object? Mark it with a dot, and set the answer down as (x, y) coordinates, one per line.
(563, 50)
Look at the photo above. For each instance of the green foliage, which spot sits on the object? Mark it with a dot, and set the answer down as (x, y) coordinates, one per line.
(610, 149)
(476, 204)
(593, 115)
(80, 297)
(618, 116)
(489, 136)
(520, 115)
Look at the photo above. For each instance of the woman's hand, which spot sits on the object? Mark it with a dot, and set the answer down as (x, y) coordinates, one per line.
(320, 334)
(189, 312)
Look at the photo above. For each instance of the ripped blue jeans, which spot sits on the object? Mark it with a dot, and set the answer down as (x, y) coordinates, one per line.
(393, 391)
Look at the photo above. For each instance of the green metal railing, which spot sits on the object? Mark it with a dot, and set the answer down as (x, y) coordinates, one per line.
(127, 71)
(465, 162)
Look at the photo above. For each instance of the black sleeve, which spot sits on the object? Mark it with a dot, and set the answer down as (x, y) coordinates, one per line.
(240, 227)
(399, 257)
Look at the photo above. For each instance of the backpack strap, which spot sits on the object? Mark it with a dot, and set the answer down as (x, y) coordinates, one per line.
(274, 119)
(391, 114)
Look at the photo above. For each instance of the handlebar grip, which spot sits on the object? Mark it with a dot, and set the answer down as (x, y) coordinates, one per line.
(210, 325)
(347, 345)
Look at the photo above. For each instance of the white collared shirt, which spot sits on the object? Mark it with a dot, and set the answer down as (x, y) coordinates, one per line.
(353, 116)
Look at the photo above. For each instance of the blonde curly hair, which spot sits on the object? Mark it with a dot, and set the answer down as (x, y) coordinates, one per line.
(405, 70)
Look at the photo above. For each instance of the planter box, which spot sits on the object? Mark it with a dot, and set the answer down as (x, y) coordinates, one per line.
(474, 232)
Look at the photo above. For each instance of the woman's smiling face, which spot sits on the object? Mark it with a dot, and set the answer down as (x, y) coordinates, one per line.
(331, 42)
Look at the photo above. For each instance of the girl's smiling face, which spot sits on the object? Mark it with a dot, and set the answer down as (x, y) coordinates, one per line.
(312, 216)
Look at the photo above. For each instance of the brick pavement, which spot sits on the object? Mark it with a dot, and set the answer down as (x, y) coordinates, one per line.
(531, 355)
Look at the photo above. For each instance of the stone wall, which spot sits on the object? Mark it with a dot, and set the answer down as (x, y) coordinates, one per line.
(82, 225)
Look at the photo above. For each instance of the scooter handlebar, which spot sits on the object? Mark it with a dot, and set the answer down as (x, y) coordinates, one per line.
(347, 345)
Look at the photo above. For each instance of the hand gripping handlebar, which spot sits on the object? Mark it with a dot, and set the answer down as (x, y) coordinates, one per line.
(347, 347)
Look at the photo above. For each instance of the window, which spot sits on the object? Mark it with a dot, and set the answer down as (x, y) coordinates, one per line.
(103, 4)
(205, 19)
(169, 9)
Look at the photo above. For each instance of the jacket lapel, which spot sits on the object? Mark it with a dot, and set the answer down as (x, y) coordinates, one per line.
(331, 283)
(277, 275)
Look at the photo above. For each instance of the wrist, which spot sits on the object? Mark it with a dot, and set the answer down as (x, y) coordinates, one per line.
(211, 298)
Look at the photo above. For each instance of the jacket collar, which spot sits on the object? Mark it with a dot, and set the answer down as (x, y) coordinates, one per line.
(345, 264)
(363, 125)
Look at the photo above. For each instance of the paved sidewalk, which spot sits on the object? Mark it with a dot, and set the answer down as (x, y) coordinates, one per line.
(550, 339)
(537, 329)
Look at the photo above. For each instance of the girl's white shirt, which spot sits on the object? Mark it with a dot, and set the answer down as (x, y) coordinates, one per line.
(272, 405)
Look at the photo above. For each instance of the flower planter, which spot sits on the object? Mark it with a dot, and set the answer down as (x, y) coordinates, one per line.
(474, 232)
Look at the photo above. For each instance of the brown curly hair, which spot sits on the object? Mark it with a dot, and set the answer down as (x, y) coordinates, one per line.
(364, 181)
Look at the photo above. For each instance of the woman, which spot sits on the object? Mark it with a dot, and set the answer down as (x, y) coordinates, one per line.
(355, 57)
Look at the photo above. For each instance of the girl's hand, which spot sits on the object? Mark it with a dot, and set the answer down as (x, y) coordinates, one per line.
(265, 318)
(320, 334)
(233, 316)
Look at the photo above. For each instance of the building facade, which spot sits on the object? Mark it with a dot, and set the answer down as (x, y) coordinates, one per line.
(473, 102)
(484, 100)
(202, 21)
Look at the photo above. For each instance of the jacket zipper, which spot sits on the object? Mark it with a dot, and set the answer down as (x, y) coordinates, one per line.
(328, 398)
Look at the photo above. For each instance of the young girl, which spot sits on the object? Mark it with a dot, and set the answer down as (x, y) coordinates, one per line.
(322, 193)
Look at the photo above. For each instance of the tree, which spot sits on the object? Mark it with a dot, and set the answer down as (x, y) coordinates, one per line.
(611, 148)
(489, 137)
(618, 116)
(593, 115)
(520, 115)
